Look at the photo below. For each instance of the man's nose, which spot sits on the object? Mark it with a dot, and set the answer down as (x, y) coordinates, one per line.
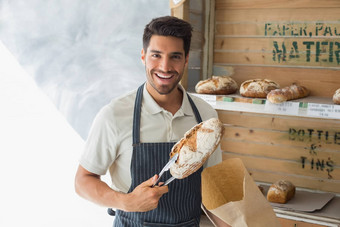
(165, 65)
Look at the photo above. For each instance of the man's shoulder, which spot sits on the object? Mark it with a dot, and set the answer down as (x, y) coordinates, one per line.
(118, 107)
(124, 101)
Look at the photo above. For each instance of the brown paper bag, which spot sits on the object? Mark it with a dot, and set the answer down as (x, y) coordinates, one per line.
(229, 193)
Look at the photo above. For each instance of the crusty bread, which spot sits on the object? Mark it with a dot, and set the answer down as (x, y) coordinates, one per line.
(291, 92)
(257, 88)
(336, 97)
(218, 85)
(281, 192)
(195, 147)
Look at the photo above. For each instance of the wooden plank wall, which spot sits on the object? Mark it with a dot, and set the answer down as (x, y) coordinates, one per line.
(193, 12)
(303, 150)
(286, 41)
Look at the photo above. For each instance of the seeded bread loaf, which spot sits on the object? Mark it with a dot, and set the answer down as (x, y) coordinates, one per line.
(218, 85)
(281, 192)
(257, 88)
(291, 92)
(336, 97)
(195, 147)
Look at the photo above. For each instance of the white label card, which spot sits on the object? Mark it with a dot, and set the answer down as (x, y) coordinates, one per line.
(176, 1)
(289, 108)
(211, 99)
(323, 110)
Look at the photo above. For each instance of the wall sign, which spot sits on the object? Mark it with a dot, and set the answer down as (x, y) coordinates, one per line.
(305, 42)
(315, 138)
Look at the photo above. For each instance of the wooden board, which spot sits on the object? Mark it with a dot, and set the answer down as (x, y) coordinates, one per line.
(303, 150)
(269, 4)
(293, 223)
(288, 42)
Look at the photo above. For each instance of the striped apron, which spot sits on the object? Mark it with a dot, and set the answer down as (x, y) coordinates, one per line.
(181, 205)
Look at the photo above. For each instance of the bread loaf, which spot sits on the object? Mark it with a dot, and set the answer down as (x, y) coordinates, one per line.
(257, 88)
(336, 97)
(281, 192)
(291, 92)
(195, 147)
(218, 85)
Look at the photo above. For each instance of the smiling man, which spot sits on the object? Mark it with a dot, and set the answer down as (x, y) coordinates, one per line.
(132, 137)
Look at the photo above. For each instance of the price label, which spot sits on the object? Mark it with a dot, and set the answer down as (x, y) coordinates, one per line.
(323, 110)
(211, 99)
(289, 108)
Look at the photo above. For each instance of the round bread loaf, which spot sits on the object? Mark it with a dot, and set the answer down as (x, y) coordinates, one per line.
(257, 88)
(291, 92)
(195, 147)
(336, 97)
(218, 85)
(281, 191)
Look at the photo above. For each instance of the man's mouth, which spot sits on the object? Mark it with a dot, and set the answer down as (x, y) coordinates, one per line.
(164, 75)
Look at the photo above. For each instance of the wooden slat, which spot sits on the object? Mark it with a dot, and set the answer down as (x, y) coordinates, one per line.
(321, 52)
(183, 12)
(284, 152)
(275, 15)
(285, 167)
(299, 181)
(266, 59)
(280, 138)
(266, 45)
(208, 44)
(253, 4)
(276, 122)
(321, 82)
(289, 223)
(279, 29)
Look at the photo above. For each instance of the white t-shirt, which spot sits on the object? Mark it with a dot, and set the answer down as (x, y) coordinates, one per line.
(109, 145)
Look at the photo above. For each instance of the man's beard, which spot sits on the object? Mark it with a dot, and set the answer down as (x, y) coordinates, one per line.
(164, 89)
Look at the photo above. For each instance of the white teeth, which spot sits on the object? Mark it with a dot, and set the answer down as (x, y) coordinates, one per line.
(164, 76)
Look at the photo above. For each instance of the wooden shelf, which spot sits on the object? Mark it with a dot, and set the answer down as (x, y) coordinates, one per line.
(315, 107)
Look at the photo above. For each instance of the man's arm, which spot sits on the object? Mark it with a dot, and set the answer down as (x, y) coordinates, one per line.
(143, 198)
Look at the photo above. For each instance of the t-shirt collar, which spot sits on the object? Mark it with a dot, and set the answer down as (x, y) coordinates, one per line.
(152, 107)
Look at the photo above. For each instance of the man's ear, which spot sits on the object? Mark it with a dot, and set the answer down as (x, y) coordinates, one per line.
(143, 56)
(187, 59)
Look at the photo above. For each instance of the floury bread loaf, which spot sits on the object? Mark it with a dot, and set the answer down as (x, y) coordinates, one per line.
(291, 92)
(336, 97)
(195, 147)
(218, 85)
(257, 88)
(281, 192)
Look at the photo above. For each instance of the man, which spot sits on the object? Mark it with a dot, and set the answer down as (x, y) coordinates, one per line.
(133, 135)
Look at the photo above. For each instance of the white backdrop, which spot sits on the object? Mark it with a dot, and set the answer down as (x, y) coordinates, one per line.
(80, 53)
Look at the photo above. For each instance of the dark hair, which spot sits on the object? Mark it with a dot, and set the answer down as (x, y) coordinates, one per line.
(168, 26)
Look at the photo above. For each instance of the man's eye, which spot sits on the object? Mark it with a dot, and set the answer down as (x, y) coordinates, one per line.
(176, 57)
(155, 55)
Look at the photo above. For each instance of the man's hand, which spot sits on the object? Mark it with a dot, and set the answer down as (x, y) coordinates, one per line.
(145, 197)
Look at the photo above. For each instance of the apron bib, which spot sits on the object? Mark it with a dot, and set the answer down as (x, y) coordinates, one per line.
(181, 206)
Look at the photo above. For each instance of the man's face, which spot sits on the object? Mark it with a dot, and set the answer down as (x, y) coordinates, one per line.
(164, 62)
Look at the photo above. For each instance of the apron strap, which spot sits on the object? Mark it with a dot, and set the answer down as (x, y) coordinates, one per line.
(137, 112)
(194, 108)
(136, 116)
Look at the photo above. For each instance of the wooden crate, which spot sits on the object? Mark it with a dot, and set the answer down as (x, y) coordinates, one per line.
(303, 150)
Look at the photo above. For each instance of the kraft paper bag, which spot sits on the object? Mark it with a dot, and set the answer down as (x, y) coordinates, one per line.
(229, 193)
